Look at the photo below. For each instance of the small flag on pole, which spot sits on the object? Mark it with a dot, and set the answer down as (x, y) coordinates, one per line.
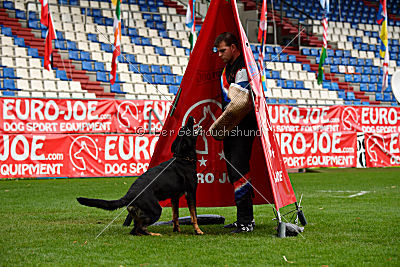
(325, 7)
(262, 36)
(191, 23)
(47, 20)
(117, 40)
(384, 49)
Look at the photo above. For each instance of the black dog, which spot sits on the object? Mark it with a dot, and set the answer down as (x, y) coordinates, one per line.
(169, 180)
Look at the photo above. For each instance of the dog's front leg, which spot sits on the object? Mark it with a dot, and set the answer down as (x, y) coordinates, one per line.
(175, 214)
(191, 200)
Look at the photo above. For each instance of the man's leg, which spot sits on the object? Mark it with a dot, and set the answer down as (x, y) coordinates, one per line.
(237, 151)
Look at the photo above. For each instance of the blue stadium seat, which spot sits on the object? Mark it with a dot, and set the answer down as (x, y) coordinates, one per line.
(60, 44)
(71, 45)
(351, 96)
(130, 58)
(378, 97)
(132, 32)
(348, 78)
(99, 66)
(364, 78)
(173, 89)
(102, 76)
(146, 41)
(341, 94)
(6, 31)
(299, 85)
(363, 87)
(387, 97)
(85, 56)
(134, 68)
(169, 79)
(178, 79)
(34, 24)
(292, 58)
(158, 79)
(19, 41)
(148, 78)
(334, 69)
(106, 47)
(280, 83)
(357, 78)
(92, 37)
(373, 79)
(19, 14)
(62, 75)
(176, 43)
(73, 55)
(275, 74)
(116, 88)
(144, 68)
(9, 73)
(292, 101)
(282, 101)
(289, 84)
(271, 101)
(8, 93)
(33, 52)
(326, 85)
(87, 65)
(335, 86)
(166, 69)
(306, 51)
(306, 67)
(156, 69)
(9, 84)
(160, 50)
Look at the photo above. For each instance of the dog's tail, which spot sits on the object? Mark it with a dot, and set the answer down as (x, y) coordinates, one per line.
(103, 204)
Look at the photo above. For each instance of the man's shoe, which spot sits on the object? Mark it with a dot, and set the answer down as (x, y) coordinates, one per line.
(243, 228)
(231, 225)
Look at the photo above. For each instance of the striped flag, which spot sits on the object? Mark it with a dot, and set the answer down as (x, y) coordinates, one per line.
(325, 7)
(191, 23)
(117, 39)
(384, 49)
(262, 36)
(47, 20)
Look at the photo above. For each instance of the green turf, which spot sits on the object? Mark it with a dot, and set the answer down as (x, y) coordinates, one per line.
(42, 224)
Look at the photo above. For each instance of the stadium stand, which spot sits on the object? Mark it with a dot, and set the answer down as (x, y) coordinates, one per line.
(155, 51)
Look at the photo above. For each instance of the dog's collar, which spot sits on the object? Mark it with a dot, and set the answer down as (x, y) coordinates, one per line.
(186, 158)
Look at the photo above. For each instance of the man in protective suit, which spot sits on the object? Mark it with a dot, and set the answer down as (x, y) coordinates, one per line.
(237, 127)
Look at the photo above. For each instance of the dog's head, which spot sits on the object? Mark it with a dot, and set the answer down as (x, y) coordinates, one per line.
(184, 145)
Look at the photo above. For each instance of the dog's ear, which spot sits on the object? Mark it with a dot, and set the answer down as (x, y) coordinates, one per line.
(190, 122)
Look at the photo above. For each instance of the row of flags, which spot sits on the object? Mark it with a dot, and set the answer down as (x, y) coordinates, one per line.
(117, 40)
(191, 23)
(46, 20)
(384, 49)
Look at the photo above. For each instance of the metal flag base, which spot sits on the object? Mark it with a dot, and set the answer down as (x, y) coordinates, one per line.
(287, 228)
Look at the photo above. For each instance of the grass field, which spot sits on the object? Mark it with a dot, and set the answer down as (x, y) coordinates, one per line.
(42, 224)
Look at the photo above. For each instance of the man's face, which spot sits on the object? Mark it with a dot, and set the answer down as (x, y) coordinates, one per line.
(225, 52)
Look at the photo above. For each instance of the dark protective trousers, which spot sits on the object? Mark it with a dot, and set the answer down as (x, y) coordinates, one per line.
(237, 150)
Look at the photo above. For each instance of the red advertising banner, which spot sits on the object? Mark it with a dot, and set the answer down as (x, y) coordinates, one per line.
(335, 118)
(382, 150)
(52, 155)
(29, 115)
(318, 149)
(295, 119)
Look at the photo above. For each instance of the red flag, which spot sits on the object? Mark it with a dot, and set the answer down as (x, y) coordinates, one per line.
(44, 13)
(262, 30)
(200, 97)
(48, 50)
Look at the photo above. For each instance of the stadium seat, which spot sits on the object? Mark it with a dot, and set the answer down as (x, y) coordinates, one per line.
(102, 76)
(9, 84)
(87, 65)
(62, 75)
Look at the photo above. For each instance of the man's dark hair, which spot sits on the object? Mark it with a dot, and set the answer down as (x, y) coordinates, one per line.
(228, 38)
